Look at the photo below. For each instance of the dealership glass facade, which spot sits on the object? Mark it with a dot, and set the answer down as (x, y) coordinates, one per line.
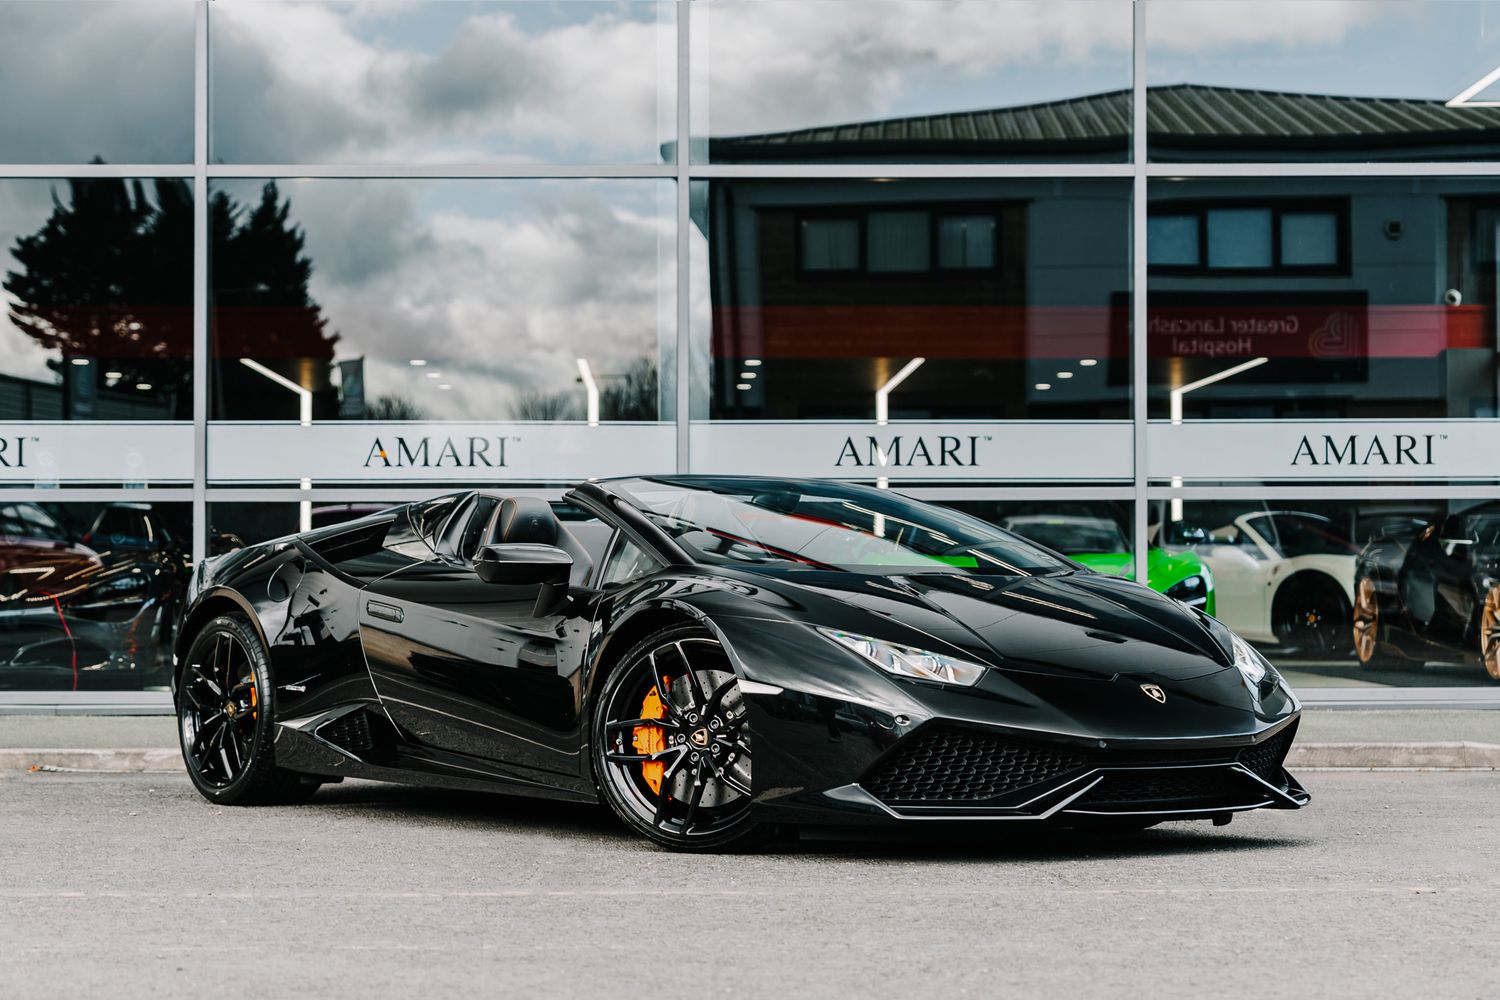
(1185, 290)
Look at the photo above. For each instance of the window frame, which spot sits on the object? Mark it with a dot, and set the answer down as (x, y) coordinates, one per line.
(860, 213)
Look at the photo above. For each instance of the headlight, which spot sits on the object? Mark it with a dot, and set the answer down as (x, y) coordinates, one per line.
(1192, 591)
(907, 661)
(1249, 662)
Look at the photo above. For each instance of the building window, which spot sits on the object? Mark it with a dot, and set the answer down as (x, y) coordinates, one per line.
(1287, 238)
(899, 242)
(966, 242)
(830, 244)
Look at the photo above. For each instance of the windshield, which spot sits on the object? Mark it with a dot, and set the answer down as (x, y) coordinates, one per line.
(1070, 535)
(778, 524)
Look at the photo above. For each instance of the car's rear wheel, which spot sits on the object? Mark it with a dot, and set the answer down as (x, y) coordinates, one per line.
(224, 705)
(1368, 647)
(1489, 633)
(672, 748)
(1311, 617)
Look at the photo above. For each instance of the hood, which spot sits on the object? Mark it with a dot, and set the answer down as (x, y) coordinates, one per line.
(1073, 625)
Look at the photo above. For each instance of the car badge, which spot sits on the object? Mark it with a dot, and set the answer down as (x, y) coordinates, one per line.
(699, 737)
(1155, 693)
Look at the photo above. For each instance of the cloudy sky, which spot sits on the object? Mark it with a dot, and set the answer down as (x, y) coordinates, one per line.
(519, 278)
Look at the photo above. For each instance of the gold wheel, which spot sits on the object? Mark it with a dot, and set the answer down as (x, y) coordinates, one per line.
(1367, 620)
(1489, 634)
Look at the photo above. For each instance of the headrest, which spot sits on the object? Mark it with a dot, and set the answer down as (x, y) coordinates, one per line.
(526, 519)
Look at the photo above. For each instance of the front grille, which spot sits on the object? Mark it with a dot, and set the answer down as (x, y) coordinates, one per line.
(349, 732)
(959, 767)
(952, 765)
(1265, 758)
(1198, 787)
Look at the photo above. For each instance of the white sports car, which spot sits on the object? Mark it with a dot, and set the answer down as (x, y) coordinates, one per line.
(1284, 577)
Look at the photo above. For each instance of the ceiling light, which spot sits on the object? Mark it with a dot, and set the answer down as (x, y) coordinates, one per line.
(747, 375)
(743, 386)
(434, 374)
(1088, 362)
(418, 363)
(80, 361)
(752, 362)
(1043, 386)
(1064, 374)
(114, 375)
(445, 386)
(143, 386)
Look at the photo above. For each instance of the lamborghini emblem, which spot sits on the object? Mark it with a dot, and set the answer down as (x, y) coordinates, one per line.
(699, 737)
(1155, 693)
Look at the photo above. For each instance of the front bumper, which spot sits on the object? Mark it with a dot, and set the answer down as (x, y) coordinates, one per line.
(837, 742)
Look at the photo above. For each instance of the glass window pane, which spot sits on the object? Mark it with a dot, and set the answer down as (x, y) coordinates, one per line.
(111, 628)
(1405, 330)
(1309, 239)
(1352, 80)
(911, 80)
(96, 81)
(830, 244)
(98, 274)
(441, 300)
(1239, 237)
(1039, 333)
(326, 82)
(1172, 240)
(966, 241)
(899, 241)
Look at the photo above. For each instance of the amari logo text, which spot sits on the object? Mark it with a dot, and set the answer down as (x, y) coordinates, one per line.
(1365, 449)
(898, 451)
(427, 452)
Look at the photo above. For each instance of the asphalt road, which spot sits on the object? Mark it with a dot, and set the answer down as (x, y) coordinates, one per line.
(131, 886)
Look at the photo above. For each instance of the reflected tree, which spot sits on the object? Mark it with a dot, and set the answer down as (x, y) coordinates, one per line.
(393, 407)
(107, 284)
(633, 394)
(538, 404)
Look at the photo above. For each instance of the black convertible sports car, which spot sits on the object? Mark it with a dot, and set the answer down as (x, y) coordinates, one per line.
(716, 657)
(1431, 593)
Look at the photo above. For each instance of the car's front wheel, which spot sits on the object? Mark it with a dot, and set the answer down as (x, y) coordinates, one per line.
(1311, 616)
(671, 745)
(224, 704)
(1368, 647)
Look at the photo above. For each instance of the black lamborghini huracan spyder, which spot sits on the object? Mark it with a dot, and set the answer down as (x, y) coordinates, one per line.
(717, 657)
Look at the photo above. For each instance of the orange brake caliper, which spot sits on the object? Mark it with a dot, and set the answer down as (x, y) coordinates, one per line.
(651, 739)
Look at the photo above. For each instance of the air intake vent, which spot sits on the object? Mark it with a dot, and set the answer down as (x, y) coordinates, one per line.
(951, 765)
(350, 733)
(1265, 758)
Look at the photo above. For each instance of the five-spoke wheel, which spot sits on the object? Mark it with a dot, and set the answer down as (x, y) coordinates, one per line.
(672, 749)
(1489, 633)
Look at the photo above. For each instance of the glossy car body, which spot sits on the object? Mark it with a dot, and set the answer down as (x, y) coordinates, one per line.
(90, 613)
(1099, 699)
(1099, 544)
(1432, 592)
(1283, 577)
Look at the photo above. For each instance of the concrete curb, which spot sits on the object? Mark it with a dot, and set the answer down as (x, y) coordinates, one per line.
(137, 760)
(1463, 755)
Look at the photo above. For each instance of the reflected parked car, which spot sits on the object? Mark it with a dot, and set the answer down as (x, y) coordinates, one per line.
(95, 612)
(1284, 577)
(1432, 593)
(1100, 544)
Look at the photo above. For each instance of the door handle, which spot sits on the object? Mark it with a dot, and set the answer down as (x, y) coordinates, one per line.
(389, 612)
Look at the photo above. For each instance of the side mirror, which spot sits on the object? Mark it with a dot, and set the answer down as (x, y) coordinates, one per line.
(523, 564)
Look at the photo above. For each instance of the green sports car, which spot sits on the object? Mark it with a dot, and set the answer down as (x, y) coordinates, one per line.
(1099, 544)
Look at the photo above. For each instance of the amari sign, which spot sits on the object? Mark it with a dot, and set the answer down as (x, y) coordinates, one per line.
(125, 453)
(369, 452)
(1037, 451)
(1270, 451)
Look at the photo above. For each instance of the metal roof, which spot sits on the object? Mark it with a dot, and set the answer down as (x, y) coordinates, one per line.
(1186, 119)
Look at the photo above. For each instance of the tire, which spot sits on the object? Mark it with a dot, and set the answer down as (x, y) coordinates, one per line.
(1369, 648)
(1489, 633)
(1312, 616)
(225, 704)
(700, 799)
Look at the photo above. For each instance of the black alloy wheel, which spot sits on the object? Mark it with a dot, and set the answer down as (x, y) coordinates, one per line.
(672, 749)
(224, 704)
(1312, 617)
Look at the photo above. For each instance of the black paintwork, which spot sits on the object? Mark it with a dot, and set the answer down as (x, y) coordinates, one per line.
(1431, 582)
(394, 660)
